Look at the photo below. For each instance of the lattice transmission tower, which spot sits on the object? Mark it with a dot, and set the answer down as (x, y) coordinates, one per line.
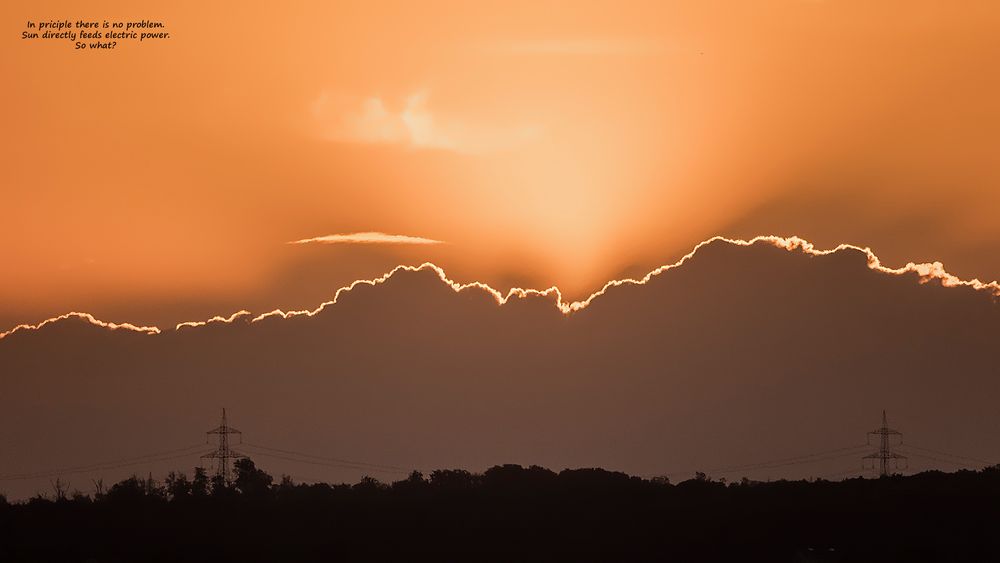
(223, 454)
(885, 455)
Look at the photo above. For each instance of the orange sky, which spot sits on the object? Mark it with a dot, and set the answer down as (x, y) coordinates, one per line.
(541, 143)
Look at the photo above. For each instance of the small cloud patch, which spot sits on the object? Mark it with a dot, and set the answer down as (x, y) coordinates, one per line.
(366, 238)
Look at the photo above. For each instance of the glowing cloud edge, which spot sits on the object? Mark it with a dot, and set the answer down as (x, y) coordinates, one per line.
(87, 317)
(925, 271)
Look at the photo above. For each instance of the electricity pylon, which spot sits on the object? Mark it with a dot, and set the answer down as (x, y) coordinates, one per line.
(885, 453)
(223, 454)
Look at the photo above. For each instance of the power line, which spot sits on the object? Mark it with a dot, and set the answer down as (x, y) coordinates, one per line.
(332, 459)
(803, 458)
(781, 462)
(946, 454)
(90, 469)
(942, 460)
(339, 466)
(839, 473)
(812, 459)
(112, 462)
(223, 454)
(885, 453)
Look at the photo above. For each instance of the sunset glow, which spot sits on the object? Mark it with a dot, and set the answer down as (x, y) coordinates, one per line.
(546, 280)
(549, 145)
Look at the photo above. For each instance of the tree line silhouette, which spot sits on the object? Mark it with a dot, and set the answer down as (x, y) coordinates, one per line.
(509, 513)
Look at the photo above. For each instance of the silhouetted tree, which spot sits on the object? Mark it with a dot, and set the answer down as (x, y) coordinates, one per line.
(178, 485)
(286, 488)
(98, 488)
(513, 513)
(369, 485)
(511, 475)
(132, 489)
(153, 489)
(413, 483)
(59, 489)
(452, 479)
(200, 485)
(221, 487)
(250, 480)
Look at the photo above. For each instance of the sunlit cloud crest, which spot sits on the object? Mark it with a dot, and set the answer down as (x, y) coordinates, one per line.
(926, 272)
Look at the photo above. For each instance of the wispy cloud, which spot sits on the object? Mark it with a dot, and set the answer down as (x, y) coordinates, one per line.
(370, 237)
(374, 120)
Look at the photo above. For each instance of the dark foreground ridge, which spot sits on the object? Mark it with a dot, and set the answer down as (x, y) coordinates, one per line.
(511, 513)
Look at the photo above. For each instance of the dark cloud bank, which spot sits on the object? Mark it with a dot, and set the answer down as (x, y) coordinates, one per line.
(743, 354)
